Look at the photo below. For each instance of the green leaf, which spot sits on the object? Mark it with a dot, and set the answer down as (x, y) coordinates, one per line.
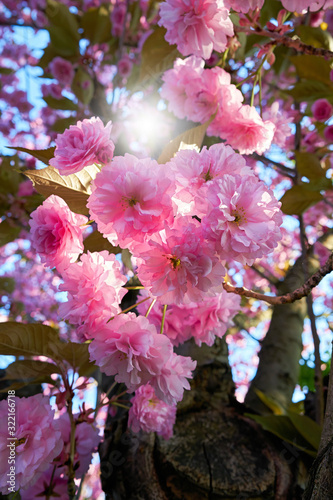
(309, 429)
(83, 86)
(96, 242)
(312, 68)
(29, 369)
(44, 155)
(8, 232)
(309, 165)
(74, 188)
(77, 355)
(298, 199)
(63, 103)
(61, 124)
(309, 90)
(96, 24)
(157, 55)
(282, 426)
(36, 339)
(63, 29)
(126, 258)
(273, 405)
(191, 139)
(6, 71)
(9, 177)
(18, 339)
(315, 36)
(7, 284)
(269, 11)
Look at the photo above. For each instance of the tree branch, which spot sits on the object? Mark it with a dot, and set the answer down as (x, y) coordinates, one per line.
(287, 298)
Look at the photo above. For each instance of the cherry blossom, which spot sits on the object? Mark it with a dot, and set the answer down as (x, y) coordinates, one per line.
(83, 144)
(197, 27)
(36, 444)
(56, 232)
(150, 414)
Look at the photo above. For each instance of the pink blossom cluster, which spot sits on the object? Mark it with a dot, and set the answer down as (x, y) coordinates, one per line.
(150, 414)
(57, 233)
(204, 320)
(130, 348)
(197, 26)
(83, 144)
(37, 440)
(94, 291)
(197, 93)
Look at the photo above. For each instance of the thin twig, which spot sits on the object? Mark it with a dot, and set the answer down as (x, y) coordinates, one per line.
(290, 297)
(288, 172)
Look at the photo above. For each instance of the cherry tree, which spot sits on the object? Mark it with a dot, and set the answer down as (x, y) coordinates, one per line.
(166, 229)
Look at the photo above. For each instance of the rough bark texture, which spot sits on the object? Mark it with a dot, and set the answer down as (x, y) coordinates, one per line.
(278, 368)
(216, 452)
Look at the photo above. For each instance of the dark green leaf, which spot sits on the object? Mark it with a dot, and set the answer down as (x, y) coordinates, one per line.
(43, 155)
(309, 165)
(96, 24)
(312, 68)
(315, 36)
(63, 103)
(96, 242)
(8, 232)
(309, 429)
(157, 55)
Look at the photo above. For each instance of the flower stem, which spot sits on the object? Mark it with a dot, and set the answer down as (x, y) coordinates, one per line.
(163, 317)
(150, 307)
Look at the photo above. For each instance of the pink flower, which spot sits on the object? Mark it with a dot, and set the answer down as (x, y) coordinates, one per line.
(245, 130)
(244, 220)
(36, 444)
(150, 414)
(197, 26)
(281, 120)
(244, 5)
(328, 133)
(130, 199)
(62, 70)
(83, 144)
(118, 18)
(125, 66)
(177, 81)
(56, 233)
(94, 287)
(194, 171)
(300, 5)
(130, 348)
(179, 266)
(204, 321)
(321, 110)
(169, 385)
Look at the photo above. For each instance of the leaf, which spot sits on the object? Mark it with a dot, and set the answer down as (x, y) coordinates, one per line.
(157, 55)
(96, 242)
(43, 155)
(35, 339)
(310, 90)
(270, 403)
(96, 24)
(315, 36)
(298, 199)
(83, 86)
(77, 355)
(282, 426)
(74, 188)
(30, 368)
(6, 71)
(8, 232)
(309, 429)
(9, 177)
(63, 29)
(312, 68)
(61, 124)
(63, 103)
(7, 284)
(309, 165)
(269, 11)
(191, 139)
